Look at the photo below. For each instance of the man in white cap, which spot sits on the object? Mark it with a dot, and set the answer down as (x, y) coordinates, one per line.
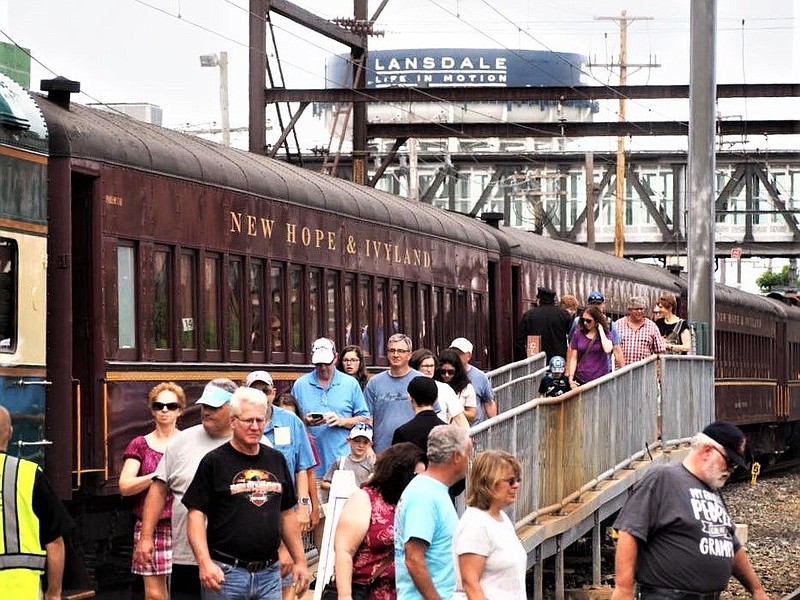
(172, 478)
(487, 407)
(331, 403)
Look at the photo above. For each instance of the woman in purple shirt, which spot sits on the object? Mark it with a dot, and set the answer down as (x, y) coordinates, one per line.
(587, 355)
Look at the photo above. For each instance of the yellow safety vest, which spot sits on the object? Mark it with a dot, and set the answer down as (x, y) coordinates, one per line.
(22, 558)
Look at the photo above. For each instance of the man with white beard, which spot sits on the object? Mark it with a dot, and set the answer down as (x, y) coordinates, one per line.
(676, 538)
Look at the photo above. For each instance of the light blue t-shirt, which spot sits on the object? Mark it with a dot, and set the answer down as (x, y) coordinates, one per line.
(387, 400)
(425, 512)
(342, 396)
(483, 391)
(286, 433)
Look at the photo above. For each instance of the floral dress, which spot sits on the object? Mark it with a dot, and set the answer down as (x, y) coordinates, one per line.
(374, 559)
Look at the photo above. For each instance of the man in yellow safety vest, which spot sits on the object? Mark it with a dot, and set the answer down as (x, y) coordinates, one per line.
(32, 522)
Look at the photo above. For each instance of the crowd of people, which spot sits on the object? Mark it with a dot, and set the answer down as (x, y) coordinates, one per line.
(220, 507)
(585, 344)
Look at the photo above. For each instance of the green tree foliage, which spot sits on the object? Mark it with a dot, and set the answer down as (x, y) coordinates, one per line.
(770, 279)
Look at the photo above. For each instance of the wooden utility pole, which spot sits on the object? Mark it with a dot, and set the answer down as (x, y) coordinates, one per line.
(623, 64)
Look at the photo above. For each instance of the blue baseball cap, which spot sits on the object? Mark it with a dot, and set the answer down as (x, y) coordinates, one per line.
(214, 396)
(595, 298)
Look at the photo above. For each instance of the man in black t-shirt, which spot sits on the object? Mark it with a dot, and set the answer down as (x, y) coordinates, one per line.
(244, 491)
(676, 538)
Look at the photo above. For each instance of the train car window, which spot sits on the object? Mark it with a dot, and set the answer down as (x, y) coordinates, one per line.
(380, 318)
(211, 280)
(277, 289)
(437, 334)
(423, 312)
(410, 324)
(331, 305)
(234, 303)
(449, 318)
(188, 299)
(256, 293)
(364, 312)
(350, 322)
(314, 305)
(296, 309)
(126, 297)
(396, 324)
(464, 320)
(162, 296)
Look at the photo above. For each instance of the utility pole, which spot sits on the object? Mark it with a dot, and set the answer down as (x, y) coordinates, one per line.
(221, 61)
(623, 65)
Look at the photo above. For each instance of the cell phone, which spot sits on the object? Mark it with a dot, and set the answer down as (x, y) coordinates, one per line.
(315, 416)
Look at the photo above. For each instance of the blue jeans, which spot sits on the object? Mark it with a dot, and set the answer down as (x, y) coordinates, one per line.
(241, 584)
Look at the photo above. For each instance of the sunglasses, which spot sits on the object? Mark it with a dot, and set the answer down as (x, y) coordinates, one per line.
(162, 406)
(362, 427)
(587, 321)
(449, 372)
(728, 462)
(512, 480)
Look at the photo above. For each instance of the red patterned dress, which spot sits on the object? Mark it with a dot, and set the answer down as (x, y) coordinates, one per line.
(376, 553)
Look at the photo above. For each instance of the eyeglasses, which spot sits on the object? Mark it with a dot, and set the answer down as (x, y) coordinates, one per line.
(587, 321)
(448, 372)
(162, 405)
(728, 461)
(512, 480)
(396, 351)
(427, 366)
(351, 360)
(636, 308)
(260, 421)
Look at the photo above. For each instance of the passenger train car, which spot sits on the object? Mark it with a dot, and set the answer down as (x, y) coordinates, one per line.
(167, 257)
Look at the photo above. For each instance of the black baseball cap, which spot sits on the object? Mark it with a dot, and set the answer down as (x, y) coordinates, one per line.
(730, 437)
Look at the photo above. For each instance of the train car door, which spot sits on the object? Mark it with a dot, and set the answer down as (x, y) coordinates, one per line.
(87, 317)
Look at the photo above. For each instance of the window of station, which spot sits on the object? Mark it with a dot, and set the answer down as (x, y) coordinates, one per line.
(256, 293)
(162, 295)
(331, 306)
(296, 310)
(234, 303)
(188, 299)
(276, 310)
(126, 297)
(211, 277)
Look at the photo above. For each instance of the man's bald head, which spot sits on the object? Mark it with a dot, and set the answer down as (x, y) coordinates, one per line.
(5, 428)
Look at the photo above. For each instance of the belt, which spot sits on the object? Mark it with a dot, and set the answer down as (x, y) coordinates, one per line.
(646, 591)
(249, 565)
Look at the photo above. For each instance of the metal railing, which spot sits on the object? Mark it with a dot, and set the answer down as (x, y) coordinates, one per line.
(568, 443)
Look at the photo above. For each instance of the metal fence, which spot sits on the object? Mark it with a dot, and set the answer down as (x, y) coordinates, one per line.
(567, 444)
(516, 383)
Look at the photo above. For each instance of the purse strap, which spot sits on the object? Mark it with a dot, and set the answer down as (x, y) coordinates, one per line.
(382, 567)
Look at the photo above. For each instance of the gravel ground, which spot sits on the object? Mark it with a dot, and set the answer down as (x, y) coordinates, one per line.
(771, 508)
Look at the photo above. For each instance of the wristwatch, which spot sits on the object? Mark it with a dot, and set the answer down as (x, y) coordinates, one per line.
(304, 501)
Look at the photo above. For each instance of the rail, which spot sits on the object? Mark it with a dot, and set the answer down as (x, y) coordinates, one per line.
(570, 444)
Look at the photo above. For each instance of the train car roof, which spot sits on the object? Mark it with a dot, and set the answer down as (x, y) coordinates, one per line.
(81, 132)
(527, 245)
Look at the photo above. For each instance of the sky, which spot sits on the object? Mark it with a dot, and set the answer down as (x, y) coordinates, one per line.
(148, 50)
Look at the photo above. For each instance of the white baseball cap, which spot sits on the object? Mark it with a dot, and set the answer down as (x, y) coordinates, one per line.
(258, 376)
(462, 344)
(323, 351)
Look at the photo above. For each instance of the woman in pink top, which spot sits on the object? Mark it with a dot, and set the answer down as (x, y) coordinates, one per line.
(364, 541)
(166, 402)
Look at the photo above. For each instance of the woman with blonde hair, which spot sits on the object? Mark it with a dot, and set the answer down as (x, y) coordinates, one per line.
(674, 330)
(166, 402)
(490, 559)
